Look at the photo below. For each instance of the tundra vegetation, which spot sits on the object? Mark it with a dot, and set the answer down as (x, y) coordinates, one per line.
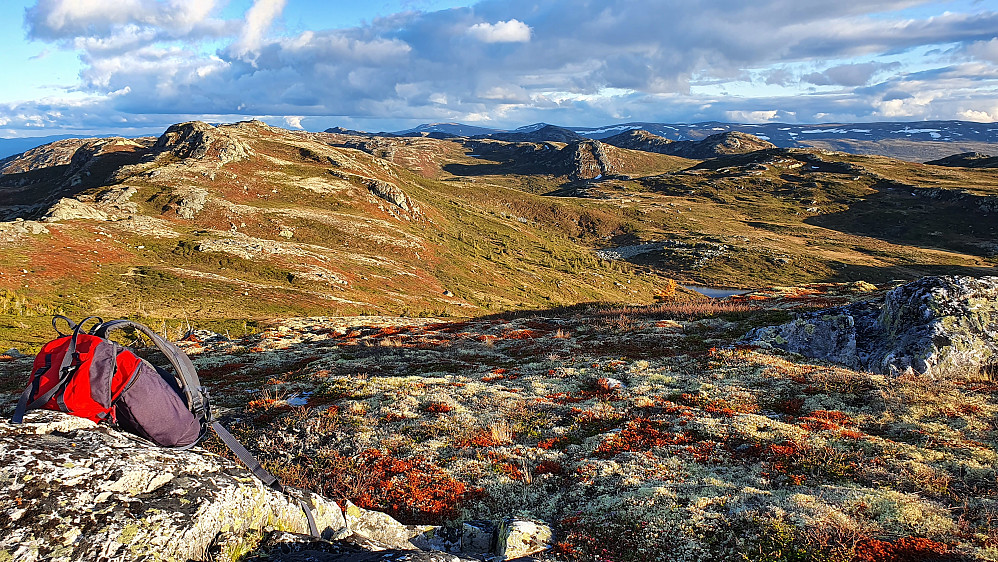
(423, 326)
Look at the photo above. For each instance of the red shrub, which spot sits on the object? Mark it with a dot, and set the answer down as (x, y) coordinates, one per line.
(438, 408)
(639, 435)
(820, 420)
(520, 334)
(549, 467)
(477, 439)
(553, 443)
(410, 490)
(906, 549)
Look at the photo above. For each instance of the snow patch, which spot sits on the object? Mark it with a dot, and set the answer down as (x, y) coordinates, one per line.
(608, 129)
(910, 131)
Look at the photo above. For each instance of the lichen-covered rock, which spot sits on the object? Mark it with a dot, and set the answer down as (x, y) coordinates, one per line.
(938, 326)
(71, 209)
(380, 527)
(520, 537)
(201, 141)
(74, 490)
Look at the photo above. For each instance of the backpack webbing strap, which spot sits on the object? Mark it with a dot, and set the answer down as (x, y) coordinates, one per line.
(267, 478)
(313, 529)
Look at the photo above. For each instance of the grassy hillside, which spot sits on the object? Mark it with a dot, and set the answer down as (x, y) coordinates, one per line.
(216, 226)
(298, 227)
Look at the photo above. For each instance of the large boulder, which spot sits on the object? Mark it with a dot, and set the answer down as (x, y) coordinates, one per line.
(936, 326)
(74, 490)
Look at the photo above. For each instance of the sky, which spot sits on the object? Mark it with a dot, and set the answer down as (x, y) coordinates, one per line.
(132, 67)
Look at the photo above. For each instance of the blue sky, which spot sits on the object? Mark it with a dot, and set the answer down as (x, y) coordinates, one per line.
(135, 66)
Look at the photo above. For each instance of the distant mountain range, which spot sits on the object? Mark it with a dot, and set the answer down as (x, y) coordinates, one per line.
(915, 141)
(783, 135)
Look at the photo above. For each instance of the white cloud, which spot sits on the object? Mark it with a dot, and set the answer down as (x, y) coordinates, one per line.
(258, 20)
(752, 116)
(985, 50)
(980, 116)
(512, 31)
(294, 121)
(573, 63)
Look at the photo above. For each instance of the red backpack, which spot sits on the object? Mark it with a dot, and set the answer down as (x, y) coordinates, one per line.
(86, 374)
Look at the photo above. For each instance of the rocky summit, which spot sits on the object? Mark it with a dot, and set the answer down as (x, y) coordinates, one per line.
(720, 144)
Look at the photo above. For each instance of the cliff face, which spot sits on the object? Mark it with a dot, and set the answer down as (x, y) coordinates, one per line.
(591, 160)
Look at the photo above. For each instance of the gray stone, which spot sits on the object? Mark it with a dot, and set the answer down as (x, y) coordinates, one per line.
(380, 527)
(478, 537)
(440, 539)
(72, 490)
(522, 537)
(936, 326)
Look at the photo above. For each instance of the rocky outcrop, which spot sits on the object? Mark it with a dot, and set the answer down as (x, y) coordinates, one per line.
(73, 490)
(967, 160)
(721, 144)
(189, 201)
(18, 228)
(640, 139)
(69, 208)
(936, 326)
(578, 161)
(392, 194)
(547, 133)
(201, 141)
(590, 160)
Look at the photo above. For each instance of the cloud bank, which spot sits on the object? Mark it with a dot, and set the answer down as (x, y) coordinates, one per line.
(509, 62)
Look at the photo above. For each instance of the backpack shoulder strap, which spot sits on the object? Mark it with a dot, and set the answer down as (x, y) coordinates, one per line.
(183, 368)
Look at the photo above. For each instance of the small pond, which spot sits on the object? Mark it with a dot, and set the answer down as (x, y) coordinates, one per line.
(716, 292)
